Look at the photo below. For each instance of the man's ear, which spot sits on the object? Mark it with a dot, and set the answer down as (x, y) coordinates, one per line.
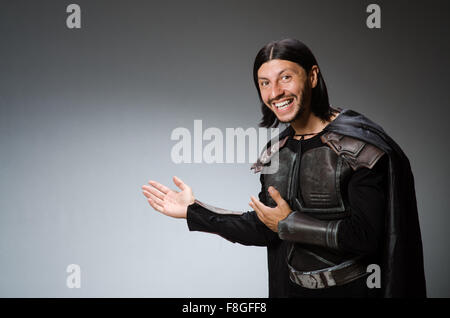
(314, 76)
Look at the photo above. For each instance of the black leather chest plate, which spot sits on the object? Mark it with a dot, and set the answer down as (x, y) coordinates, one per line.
(322, 182)
(283, 180)
(314, 184)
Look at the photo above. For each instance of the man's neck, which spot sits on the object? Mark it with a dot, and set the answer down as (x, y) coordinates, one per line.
(308, 123)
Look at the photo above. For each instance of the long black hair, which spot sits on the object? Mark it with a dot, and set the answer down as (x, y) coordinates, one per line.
(297, 52)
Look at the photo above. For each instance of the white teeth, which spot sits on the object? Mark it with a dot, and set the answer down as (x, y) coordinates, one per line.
(283, 104)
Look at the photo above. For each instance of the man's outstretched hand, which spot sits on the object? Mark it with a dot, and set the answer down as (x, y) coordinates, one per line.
(271, 216)
(168, 201)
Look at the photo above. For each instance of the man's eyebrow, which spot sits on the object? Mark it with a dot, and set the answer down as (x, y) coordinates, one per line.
(283, 70)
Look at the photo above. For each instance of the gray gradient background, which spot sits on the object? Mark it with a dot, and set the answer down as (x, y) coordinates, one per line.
(86, 117)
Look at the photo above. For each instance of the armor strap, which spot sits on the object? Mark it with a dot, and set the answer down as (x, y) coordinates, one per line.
(301, 228)
(267, 154)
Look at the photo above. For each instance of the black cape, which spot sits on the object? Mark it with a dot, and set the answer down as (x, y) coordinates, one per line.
(402, 270)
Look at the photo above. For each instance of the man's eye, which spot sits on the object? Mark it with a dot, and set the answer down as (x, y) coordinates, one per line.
(265, 83)
(285, 77)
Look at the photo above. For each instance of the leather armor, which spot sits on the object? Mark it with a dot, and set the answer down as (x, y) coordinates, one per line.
(315, 186)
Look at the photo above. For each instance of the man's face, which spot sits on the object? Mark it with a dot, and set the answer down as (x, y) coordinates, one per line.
(284, 88)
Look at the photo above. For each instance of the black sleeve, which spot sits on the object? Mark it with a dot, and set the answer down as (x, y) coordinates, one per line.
(362, 232)
(245, 229)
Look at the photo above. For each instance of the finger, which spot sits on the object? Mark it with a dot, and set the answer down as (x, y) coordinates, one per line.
(258, 204)
(153, 197)
(276, 196)
(146, 193)
(257, 208)
(253, 207)
(180, 184)
(159, 186)
(155, 192)
(258, 212)
(155, 206)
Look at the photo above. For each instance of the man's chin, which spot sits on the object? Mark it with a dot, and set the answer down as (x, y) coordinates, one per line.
(285, 121)
(288, 120)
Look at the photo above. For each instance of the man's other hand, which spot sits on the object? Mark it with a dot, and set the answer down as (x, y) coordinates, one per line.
(271, 216)
(168, 201)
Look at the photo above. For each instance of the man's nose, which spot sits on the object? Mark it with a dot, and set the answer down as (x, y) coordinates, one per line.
(276, 92)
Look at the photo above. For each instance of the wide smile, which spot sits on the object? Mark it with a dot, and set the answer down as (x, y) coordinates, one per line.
(284, 105)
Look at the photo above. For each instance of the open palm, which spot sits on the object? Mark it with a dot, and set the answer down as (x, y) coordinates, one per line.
(168, 201)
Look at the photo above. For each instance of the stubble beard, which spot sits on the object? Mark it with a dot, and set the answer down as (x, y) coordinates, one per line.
(301, 110)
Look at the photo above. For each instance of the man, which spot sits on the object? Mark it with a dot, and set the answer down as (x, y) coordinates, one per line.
(343, 197)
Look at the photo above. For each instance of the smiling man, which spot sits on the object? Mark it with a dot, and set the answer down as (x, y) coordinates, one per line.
(334, 206)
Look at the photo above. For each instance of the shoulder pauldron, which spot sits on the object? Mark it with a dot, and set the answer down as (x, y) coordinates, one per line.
(356, 152)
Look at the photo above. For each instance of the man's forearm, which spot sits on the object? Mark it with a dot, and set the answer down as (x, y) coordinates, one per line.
(300, 228)
(241, 227)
